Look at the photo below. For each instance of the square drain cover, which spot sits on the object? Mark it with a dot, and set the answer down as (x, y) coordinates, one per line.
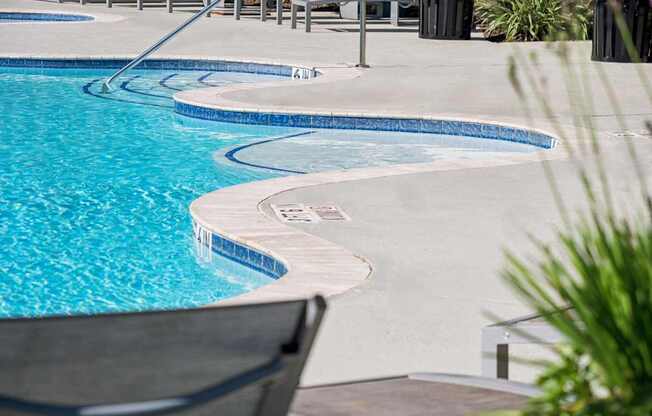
(308, 213)
(329, 212)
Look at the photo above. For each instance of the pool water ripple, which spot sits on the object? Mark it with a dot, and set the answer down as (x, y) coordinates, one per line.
(94, 194)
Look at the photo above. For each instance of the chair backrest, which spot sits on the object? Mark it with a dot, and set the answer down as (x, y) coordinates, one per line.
(175, 362)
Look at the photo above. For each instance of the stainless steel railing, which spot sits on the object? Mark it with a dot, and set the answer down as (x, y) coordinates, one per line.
(106, 86)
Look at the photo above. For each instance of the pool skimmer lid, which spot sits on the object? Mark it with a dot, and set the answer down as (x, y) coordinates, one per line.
(308, 213)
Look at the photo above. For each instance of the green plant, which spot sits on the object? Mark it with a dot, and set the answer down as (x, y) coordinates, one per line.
(605, 275)
(602, 270)
(535, 20)
(595, 285)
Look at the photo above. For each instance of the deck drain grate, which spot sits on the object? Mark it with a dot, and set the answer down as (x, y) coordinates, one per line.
(294, 213)
(308, 213)
(329, 212)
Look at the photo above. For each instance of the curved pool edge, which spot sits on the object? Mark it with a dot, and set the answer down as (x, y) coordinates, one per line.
(314, 265)
(213, 104)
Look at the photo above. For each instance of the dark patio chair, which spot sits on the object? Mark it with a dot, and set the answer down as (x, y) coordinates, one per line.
(237, 360)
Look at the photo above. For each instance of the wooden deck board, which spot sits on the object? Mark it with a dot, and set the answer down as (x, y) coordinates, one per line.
(400, 396)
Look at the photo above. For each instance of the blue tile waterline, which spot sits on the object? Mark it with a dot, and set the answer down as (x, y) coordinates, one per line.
(249, 257)
(404, 125)
(43, 17)
(158, 64)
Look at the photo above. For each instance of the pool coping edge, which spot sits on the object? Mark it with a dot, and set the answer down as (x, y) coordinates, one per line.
(218, 104)
(314, 265)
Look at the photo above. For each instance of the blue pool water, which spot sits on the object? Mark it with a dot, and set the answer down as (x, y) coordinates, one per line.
(95, 189)
(10, 17)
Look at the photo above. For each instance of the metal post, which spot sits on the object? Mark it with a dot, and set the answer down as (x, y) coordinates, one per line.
(497, 338)
(293, 15)
(363, 34)
(279, 12)
(139, 4)
(109, 3)
(237, 6)
(169, 6)
(263, 10)
(502, 361)
(307, 19)
(394, 12)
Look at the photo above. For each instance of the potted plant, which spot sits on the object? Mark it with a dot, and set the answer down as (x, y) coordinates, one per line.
(534, 20)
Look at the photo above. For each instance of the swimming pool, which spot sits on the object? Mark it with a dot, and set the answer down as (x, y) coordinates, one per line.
(95, 189)
(13, 17)
(94, 193)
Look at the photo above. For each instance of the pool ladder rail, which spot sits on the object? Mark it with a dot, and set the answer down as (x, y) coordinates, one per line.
(106, 86)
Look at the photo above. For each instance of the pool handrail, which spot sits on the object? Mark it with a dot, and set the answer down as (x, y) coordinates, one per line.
(496, 338)
(106, 86)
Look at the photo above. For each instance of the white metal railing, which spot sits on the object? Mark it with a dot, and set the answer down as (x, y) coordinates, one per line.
(106, 86)
(497, 338)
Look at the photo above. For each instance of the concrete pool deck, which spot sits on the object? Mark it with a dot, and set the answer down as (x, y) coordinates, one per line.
(434, 239)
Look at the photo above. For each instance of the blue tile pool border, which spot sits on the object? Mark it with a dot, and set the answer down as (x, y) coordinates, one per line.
(162, 63)
(44, 17)
(242, 254)
(405, 125)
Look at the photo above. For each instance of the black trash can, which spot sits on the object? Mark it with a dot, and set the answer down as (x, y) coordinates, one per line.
(445, 19)
(608, 43)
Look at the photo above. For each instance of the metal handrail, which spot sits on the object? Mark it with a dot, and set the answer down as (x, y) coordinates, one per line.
(106, 86)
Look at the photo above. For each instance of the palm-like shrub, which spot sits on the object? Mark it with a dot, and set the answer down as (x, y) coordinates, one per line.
(605, 275)
(535, 20)
(595, 285)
